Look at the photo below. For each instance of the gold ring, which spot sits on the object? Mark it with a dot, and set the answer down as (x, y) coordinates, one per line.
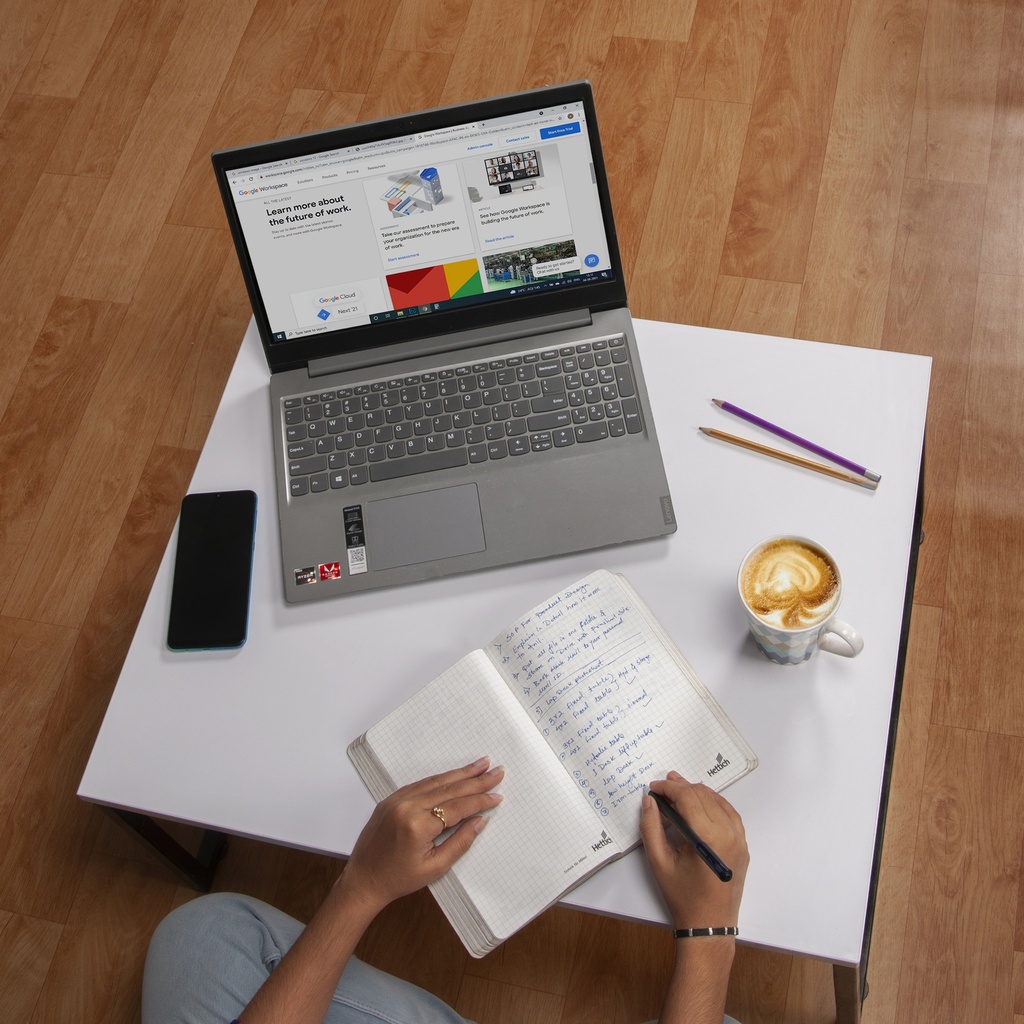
(438, 812)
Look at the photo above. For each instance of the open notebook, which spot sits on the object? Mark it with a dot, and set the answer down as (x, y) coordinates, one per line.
(583, 700)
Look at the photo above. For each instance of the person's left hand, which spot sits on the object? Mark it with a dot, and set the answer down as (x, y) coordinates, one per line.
(395, 853)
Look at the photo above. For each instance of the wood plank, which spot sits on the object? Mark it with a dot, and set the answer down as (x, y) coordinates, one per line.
(759, 986)
(977, 644)
(958, 956)
(92, 492)
(51, 831)
(33, 657)
(854, 235)
(96, 973)
(305, 881)
(112, 98)
(1006, 160)
(676, 270)
(896, 874)
(267, 65)
(540, 957)
(29, 945)
(24, 25)
(952, 130)
(621, 972)
(1018, 985)
(60, 69)
(498, 1003)
(757, 307)
(495, 47)
(649, 19)
(60, 374)
(428, 28)
(634, 94)
(39, 252)
(564, 56)
(29, 126)
(811, 994)
(196, 394)
(128, 219)
(930, 309)
(777, 190)
(403, 77)
(1003, 249)
(310, 110)
(345, 46)
(724, 50)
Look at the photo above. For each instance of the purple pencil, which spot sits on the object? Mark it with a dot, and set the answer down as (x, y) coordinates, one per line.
(802, 442)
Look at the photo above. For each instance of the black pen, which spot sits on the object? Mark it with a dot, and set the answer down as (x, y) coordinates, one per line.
(704, 851)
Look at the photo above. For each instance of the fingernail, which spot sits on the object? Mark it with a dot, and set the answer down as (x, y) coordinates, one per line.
(480, 762)
(479, 824)
(497, 770)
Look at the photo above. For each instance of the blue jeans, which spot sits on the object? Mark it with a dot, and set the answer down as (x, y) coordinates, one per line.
(209, 957)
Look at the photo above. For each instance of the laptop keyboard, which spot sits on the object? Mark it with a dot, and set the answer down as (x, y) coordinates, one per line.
(471, 413)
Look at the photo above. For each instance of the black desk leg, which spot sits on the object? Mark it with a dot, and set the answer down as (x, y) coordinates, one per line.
(196, 869)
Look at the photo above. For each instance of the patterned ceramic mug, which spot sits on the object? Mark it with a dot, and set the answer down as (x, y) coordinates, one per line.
(791, 588)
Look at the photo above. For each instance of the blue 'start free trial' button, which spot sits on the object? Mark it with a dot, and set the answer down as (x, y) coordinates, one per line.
(560, 129)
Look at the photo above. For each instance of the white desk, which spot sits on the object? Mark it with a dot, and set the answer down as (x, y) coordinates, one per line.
(253, 742)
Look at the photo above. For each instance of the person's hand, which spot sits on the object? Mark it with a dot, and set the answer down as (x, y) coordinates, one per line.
(395, 853)
(696, 897)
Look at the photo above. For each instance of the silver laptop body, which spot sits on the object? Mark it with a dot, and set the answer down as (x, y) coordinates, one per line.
(455, 382)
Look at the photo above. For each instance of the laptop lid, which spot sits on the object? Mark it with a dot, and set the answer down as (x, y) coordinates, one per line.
(387, 234)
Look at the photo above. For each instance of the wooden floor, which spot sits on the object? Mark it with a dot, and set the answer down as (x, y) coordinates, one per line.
(849, 171)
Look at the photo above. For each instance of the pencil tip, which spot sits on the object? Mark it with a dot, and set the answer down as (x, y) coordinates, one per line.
(704, 430)
(717, 401)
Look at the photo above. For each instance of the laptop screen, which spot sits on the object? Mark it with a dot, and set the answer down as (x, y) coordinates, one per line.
(424, 224)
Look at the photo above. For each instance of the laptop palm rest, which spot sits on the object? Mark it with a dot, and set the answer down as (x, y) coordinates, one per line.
(423, 527)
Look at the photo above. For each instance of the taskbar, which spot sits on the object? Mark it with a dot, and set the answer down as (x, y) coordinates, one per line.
(529, 288)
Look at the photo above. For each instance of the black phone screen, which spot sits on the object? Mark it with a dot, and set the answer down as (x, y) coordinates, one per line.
(212, 571)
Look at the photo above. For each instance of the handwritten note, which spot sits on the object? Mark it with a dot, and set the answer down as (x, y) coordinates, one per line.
(583, 666)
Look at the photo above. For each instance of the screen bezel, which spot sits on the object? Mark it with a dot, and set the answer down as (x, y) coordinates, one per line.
(597, 295)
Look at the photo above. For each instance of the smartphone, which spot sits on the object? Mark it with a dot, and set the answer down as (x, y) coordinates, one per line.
(212, 571)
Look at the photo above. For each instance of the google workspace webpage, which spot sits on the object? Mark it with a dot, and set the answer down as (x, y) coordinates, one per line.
(413, 225)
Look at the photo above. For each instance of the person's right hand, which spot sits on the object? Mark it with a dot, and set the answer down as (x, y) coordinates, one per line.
(696, 897)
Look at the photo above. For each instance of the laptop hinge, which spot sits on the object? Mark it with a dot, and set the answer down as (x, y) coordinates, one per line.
(447, 342)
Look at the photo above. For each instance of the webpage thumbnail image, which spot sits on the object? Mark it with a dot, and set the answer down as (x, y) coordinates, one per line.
(428, 286)
(534, 263)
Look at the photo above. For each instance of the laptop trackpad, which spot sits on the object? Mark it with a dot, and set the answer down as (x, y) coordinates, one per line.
(423, 527)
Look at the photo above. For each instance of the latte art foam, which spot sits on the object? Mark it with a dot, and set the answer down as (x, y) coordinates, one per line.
(790, 585)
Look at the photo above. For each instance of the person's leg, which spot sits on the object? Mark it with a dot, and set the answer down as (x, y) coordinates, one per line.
(209, 957)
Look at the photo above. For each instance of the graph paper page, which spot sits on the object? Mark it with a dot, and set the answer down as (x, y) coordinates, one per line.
(540, 840)
(615, 701)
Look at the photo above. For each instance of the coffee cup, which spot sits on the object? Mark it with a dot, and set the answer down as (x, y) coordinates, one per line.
(791, 588)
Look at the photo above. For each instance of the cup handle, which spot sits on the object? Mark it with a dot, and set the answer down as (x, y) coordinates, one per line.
(841, 638)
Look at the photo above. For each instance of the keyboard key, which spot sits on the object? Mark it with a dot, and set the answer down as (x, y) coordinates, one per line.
(430, 462)
(586, 432)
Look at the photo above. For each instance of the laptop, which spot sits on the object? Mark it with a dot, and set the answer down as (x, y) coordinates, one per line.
(455, 383)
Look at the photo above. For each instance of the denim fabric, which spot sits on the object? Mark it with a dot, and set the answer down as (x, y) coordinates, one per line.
(209, 957)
